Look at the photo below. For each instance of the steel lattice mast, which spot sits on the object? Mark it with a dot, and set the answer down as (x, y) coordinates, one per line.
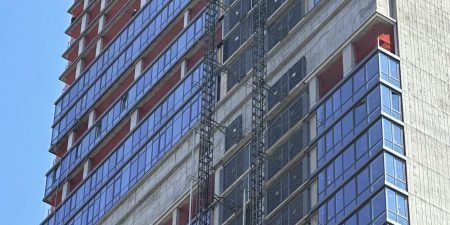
(207, 112)
(207, 123)
(258, 112)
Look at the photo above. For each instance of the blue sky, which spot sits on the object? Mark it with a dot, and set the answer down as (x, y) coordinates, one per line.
(32, 40)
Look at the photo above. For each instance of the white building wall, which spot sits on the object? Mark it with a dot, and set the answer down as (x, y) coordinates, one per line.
(424, 48)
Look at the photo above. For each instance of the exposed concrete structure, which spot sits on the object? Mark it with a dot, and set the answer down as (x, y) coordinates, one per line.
(424, 50)
(336, 39)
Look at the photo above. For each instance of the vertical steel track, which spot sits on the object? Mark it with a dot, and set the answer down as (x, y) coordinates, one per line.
(258, 112)
(207, 112)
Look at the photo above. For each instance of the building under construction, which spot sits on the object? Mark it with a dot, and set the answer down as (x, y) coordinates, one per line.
(233, 112)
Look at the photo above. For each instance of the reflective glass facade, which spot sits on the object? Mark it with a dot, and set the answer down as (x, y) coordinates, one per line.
(155, 134)
(114, 61)
(356, 156)
(361, 168)
(335, 152)
(353, 171)
(122, 107)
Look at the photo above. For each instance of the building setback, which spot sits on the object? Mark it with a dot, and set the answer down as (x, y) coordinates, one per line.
(358, 123)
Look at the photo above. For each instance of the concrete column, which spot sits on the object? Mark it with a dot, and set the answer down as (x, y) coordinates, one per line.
(312, 127)
(138, 69)
(176, 217)
(309, 4)
(313, 160)
(85, 4)
(134, 119)
(313, 189)
(78, 68)
(315, 219)
(313, 91)
(81, 44)
(183, 68)
(143, 2)
(102, 4)
(70, 140)
(101, 23)
(91, 118)
(217, 180)
(86, 168)
(84, 21)
(98, 47)
(186, 18)
(65, 190)
(215, 217)
(348, 59)
(223, 84)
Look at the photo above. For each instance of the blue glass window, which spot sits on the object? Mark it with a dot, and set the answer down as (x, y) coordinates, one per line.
(145, 156)
(349, 195)
(346, 94)
(393, 136)
(395, 171)
(375, 136)
(397, 207)
(349, 159)
(337, 103)
(354, 192)
(389, 70)
(364, 215)
(363, 182)
(76, 101)
(359, 83)
(391, 102)
(377, 172)
(114, 116)
(351, 221)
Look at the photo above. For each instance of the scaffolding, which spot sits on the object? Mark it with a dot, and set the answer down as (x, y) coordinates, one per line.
(207, 112)
(208, 124)
(258, 113)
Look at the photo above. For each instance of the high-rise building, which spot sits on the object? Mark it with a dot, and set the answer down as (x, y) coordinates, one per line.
(357, 113)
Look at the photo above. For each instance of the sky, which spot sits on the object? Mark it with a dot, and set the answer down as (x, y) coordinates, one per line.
(32, 40)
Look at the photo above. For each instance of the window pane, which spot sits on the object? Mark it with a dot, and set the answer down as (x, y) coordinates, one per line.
(389, 161)
(363, 181)
(349, 192)
(398, 139)
(391, 202)
(358, 80)
(361, 146)
(378, 204)
(360, 113)
(347, 123)
(346, 91)
(400, 170)
(401, 206)
(376, 168)
(364, 215)
(374, 134)
(349, 157)
(387, 133)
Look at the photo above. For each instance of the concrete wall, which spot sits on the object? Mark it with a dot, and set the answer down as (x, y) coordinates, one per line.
(157, 191)
(319, 35)
(424, 41)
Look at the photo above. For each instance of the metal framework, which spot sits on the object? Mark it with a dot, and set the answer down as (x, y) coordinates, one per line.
(207, 122)
(258, 112)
